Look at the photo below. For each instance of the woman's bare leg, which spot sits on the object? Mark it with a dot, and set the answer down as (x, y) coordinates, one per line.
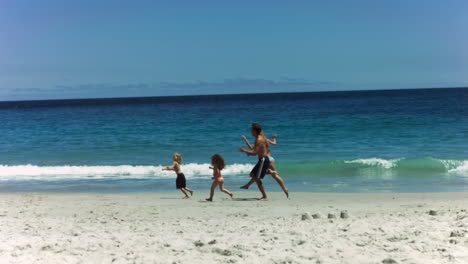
(221, 187)
(213, 187)
(278, 179)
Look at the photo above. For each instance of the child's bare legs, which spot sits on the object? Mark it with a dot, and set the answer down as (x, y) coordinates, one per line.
(185, 193)
(221, 187)
(213, 187)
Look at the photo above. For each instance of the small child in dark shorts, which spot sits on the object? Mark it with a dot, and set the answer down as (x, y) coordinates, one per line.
(180, 181)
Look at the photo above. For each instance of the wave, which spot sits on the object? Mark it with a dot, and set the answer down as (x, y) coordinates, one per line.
(374, 167)
(34, 172)
(421, 164)
(378, 167)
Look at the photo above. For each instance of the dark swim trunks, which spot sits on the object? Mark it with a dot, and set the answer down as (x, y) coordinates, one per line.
(260, 169)
(180, 181)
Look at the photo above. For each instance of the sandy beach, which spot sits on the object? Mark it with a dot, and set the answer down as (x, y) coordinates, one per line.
(161, 228)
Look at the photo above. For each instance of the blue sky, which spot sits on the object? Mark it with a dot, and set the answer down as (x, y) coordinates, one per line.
(80, 49)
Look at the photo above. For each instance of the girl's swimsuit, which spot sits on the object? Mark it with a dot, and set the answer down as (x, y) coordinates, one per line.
(217, 176)
(272, 159)
(219, 179)
(180, 181)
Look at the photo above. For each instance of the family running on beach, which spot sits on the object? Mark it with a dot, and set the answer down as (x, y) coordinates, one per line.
(265, 165)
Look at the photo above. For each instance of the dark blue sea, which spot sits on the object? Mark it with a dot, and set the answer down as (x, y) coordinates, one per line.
(353, 141)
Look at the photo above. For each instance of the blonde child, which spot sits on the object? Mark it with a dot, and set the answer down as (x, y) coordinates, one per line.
(180, 181)
(218, 164)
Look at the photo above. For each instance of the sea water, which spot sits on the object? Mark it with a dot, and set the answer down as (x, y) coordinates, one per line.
(352, 141)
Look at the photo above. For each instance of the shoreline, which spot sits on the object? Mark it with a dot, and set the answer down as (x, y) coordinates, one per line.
(161, 228)
(277, 195)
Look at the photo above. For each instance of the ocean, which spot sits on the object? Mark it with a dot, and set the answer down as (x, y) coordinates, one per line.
(350, 141)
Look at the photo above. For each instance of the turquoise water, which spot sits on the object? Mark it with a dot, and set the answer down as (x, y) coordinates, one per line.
(366, 141)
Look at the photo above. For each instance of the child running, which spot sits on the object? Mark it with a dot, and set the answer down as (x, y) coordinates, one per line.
(218, 164)
(180, 181)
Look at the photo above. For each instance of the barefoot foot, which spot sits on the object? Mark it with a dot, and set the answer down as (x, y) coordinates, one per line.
(209, 200)
(245, 187)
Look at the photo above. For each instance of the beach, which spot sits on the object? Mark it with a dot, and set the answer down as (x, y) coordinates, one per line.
(328, 132)
(91, 189)
(162, 228)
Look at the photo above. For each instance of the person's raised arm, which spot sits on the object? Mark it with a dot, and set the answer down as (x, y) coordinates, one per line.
(272, 142)
(247, 142)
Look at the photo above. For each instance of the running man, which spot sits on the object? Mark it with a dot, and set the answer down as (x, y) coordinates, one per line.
(272, 169)
(260, 149)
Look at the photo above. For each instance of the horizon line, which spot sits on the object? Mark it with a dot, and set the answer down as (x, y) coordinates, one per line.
(229, 94)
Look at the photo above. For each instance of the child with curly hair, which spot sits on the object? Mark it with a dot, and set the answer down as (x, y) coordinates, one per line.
(218, 164)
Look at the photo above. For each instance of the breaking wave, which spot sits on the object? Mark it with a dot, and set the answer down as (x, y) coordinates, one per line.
(371, 166)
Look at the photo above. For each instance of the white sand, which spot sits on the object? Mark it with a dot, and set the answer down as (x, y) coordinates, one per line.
(158, 228)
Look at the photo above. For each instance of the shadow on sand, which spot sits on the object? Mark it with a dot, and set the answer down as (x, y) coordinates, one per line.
(245, 199)
(235, 200)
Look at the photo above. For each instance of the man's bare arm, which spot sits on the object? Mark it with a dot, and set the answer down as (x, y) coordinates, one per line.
(254, 150)
(258, 148)
(247, 142)
(249, 152)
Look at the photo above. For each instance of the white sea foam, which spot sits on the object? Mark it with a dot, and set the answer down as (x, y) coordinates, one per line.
(24, 172)
(194, 170)
(461, 168)
(387, 164)
(451, 166)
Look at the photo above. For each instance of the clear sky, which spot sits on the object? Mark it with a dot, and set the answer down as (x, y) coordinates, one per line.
(79, 49)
